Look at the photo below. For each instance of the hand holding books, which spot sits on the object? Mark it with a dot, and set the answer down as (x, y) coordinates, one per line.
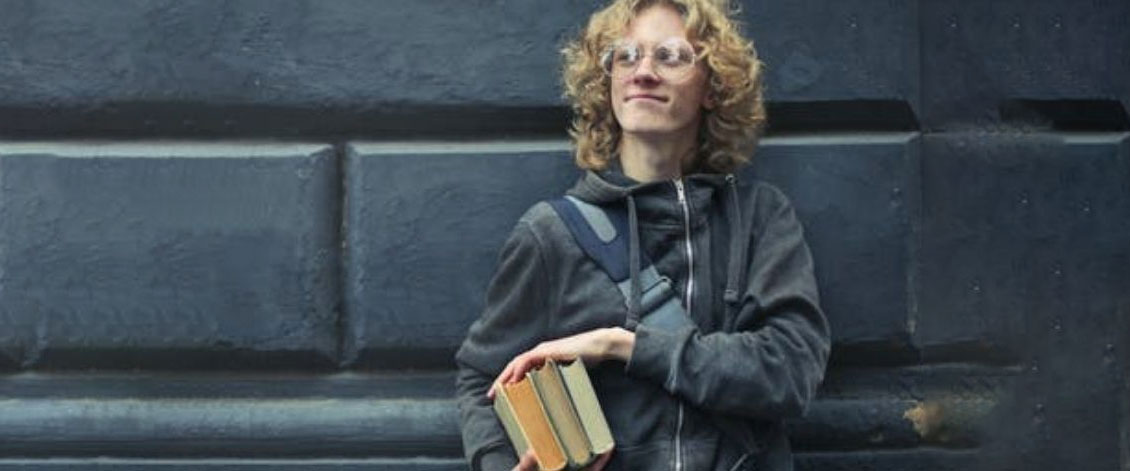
(547, 404)
(553, 416)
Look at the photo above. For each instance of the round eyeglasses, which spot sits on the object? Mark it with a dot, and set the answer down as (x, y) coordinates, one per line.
(672, 59)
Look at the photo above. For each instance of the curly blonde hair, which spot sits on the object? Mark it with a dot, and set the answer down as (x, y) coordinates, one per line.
(728, 131)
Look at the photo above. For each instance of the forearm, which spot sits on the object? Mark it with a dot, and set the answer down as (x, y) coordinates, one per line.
(768, 373)
(621, 342)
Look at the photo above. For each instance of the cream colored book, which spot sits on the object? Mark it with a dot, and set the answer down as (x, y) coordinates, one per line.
(564, 423)
(588, 407)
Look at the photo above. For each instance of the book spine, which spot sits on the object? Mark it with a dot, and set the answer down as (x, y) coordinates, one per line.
(513, 428)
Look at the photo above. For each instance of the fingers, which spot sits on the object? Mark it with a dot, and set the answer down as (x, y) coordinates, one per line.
(516, 370)
(561, 349)
(524, 363)
(521, 364)
(528, 462)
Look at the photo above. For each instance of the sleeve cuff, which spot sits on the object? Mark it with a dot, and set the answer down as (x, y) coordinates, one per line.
(655, 354)
(496, 459)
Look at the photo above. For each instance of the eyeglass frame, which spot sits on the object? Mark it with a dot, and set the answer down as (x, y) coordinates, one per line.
(607, 59)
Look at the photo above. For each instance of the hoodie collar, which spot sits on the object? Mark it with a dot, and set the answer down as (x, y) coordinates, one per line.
(611, 185)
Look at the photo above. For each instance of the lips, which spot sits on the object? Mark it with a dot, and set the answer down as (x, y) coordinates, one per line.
(646, 97)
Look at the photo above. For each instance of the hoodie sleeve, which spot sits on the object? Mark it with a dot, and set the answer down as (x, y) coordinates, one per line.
(769, 367)
(512, 322)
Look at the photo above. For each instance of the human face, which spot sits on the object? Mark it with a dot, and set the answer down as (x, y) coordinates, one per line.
(645, 102)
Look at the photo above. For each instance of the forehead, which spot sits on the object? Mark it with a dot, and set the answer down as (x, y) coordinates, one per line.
(656, 23)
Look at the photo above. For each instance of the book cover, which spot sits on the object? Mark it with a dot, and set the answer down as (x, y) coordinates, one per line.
(588, 407)
(534, 424)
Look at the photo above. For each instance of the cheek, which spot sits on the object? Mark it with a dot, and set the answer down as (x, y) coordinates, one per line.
(697, 90)
(616, 96)
(617, 90)
(690, 98)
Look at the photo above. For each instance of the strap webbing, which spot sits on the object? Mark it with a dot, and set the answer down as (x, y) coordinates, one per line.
(602, 233)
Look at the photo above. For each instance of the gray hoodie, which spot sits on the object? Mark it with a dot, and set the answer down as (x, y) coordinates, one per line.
(709, 396)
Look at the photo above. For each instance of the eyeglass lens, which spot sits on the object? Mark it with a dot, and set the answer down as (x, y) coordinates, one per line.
(671, 59)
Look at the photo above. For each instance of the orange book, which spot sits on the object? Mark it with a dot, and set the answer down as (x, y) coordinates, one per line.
(534, 424)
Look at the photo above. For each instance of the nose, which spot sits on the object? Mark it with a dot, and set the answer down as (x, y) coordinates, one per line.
(645, 72)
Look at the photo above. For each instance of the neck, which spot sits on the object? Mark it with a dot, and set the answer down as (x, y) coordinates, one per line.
(651, 159)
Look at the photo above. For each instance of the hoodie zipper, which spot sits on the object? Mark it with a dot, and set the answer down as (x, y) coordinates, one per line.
(690, 289)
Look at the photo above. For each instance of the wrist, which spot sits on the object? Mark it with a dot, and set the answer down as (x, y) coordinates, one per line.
(620, 343)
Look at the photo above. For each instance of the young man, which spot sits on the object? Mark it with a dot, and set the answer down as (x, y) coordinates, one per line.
(667, 104)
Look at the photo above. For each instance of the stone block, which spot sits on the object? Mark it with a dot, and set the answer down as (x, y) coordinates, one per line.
(1023, 236)
(822, 50)
(856, 196)
(979, 57)
(168, 255)
(424, 225)
(290, 67)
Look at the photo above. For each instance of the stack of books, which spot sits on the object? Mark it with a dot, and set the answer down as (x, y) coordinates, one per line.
(554, 411)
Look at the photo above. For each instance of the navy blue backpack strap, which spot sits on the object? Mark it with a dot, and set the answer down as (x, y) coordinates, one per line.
(602, 233)
(605, 241)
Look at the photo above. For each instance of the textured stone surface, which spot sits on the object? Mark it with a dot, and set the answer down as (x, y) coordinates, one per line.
(200, 422)
(292, 52)
(353, 67)
(302, 66)
(261, 427)
(424, 227)
(933, 459)
(274, 68)
(976, 55)
(850, 50)
(1025, 258)
(302, 52)
(1022, 234)
(855, 196)
(318, 464)
(170, 255)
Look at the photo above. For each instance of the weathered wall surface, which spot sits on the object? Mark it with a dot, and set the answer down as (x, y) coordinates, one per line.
(250, 234)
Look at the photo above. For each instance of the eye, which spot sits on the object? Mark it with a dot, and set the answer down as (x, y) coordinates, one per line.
(686, 54)
(628, 54)
(675, 52)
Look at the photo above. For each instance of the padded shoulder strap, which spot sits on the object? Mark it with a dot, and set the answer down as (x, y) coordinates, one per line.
(602, 233)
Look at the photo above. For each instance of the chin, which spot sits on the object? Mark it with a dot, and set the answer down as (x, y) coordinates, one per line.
(649, 128)
(646, 124)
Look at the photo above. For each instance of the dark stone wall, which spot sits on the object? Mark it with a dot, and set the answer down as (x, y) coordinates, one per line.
(250, 234)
